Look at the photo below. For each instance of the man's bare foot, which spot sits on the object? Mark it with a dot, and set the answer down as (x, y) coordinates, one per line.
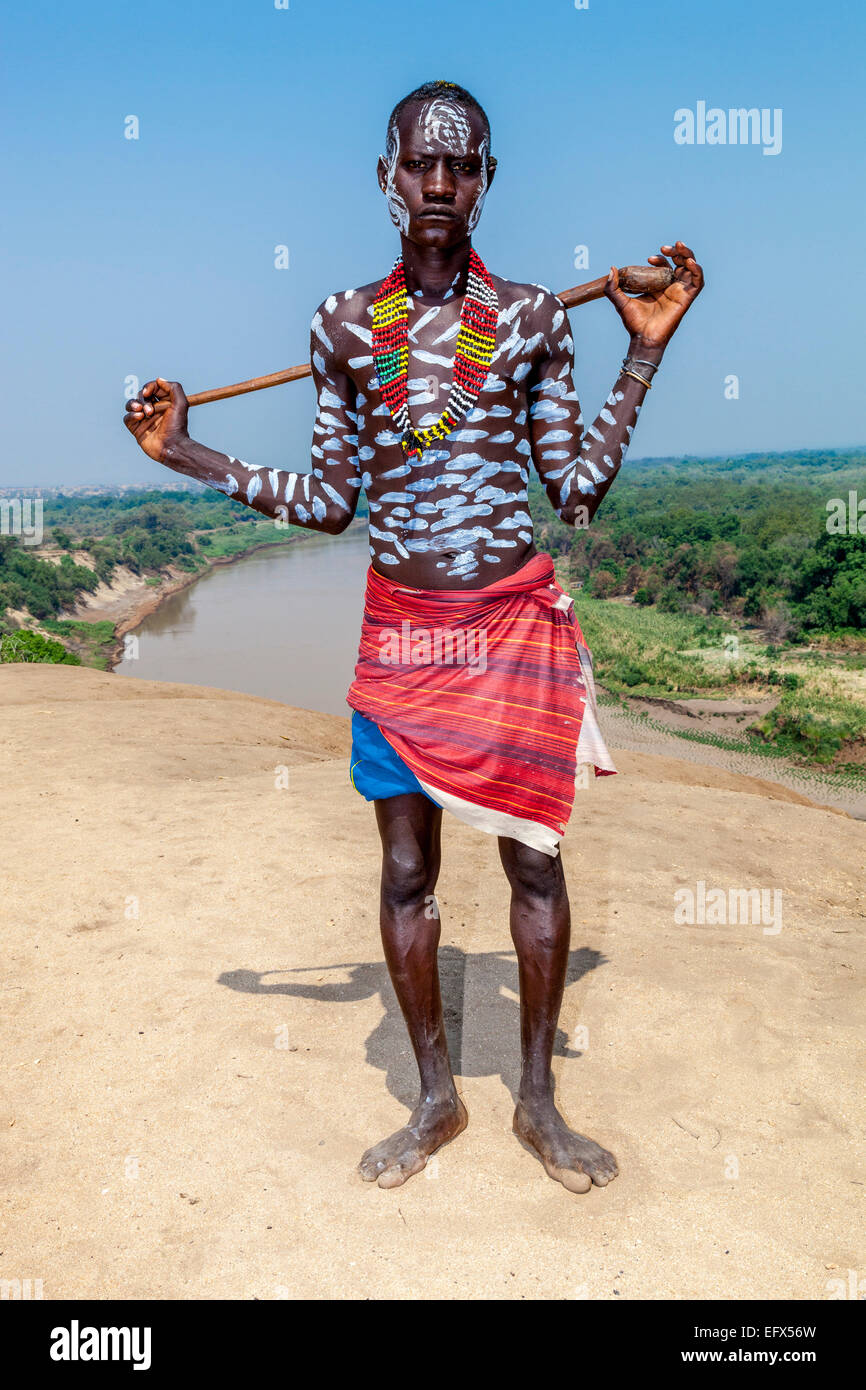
(431, 1124)
(570, 1158)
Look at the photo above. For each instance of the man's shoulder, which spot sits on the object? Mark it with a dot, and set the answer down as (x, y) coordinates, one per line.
(355, 305)
(526, 297)
(341, 329)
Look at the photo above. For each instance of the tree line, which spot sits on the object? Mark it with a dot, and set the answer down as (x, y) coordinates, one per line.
(755, 538)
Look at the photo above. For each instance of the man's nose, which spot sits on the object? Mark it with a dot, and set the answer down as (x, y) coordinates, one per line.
(439, 182)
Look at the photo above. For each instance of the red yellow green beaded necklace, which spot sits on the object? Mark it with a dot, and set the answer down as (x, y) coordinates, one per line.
(476, 341)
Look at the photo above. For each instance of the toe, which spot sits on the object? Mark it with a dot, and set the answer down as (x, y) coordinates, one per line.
(571, 1179)
(396, 1175)
(392, 1177)
(371, 1164)
(601, 1167)
(607, 1167)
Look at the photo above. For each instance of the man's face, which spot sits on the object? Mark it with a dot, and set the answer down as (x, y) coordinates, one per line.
(438, 174)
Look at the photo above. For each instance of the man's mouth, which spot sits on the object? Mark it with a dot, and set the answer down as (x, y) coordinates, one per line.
(438, 213)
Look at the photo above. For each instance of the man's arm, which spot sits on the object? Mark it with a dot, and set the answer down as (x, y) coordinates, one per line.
(577, 466)
(324, 500)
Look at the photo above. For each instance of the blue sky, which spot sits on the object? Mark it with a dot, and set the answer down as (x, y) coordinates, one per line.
(261, 127)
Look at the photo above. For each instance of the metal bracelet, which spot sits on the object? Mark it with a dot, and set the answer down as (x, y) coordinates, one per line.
(632, 363)
(636, 376)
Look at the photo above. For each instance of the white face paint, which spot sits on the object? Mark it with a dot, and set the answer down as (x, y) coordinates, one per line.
(483, 150)
(445, 122)
(441, 122)
(396, 205)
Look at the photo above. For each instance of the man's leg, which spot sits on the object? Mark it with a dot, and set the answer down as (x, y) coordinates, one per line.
(541, 929)
(410, 829)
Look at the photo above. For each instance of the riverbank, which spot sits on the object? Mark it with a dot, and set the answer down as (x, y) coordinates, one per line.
(130, 598)
(202, 1039)
(724, 691)
(729, 721)
(323, 589)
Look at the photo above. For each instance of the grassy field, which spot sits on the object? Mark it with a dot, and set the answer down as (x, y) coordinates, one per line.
(820, 712)
(93, 642)
(239, 537)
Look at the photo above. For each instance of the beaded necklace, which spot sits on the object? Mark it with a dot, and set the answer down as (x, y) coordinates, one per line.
(476, 341)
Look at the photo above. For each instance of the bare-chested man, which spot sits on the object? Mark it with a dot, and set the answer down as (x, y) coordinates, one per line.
(438, 389)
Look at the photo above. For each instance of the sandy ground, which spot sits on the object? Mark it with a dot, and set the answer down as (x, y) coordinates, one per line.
(199, 1038)
(658, 734)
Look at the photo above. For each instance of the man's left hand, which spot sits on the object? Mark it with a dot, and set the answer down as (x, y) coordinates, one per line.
(652, 318)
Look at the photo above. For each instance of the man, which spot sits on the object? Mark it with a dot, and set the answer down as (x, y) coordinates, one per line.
(437, 388)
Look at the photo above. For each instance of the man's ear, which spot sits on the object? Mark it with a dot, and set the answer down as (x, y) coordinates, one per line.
(491, 170)
(382, 173)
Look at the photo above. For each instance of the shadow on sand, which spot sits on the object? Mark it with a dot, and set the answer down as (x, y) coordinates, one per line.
(485, 1041)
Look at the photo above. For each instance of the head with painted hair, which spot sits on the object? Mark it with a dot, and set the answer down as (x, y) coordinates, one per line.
(437, 165)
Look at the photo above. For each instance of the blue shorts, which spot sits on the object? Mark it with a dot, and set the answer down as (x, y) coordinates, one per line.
(375, 768)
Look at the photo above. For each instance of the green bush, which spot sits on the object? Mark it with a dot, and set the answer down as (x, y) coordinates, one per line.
(671, 600)
(24, 645)
(627, 674)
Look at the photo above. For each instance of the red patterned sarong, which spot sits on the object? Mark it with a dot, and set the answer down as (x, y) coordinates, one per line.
(487, 695)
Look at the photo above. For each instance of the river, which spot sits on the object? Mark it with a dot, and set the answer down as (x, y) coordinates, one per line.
(285, 622)
(282, 622)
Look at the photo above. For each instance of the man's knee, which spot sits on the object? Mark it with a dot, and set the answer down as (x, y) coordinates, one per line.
(408, 873)
(531, 873)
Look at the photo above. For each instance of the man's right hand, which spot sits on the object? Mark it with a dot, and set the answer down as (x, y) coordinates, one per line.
(157, 417)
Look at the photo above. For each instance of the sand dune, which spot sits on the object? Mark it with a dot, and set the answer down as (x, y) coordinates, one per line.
(199, 1037)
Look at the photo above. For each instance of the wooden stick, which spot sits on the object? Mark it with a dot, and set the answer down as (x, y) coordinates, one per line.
(256, 383)
(634, 279)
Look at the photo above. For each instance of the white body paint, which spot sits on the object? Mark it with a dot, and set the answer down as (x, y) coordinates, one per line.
(463, 505)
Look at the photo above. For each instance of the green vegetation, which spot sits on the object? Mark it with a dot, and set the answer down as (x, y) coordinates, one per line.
(233, 540)
(713, 578)
(24, 645)
(821, 726)
(29, 582)
(92, 643)
(737, 589)
(746, 537)
(820, 714)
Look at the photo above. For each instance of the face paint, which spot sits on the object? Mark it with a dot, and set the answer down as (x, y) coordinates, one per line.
(441, 123)
(483, 150)
(444, 122)
(396, 205)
